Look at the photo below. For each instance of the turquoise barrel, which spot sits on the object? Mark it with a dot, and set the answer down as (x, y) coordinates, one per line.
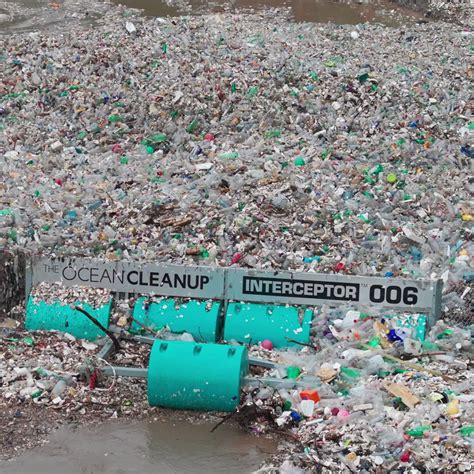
(191, 376)
(252, 323)
(202, 319)
(56, 317)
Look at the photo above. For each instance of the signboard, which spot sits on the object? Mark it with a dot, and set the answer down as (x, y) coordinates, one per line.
(166, 280)
(283, 287)
(317, 289)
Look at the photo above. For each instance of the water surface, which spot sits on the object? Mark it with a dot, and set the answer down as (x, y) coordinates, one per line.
(169, 447)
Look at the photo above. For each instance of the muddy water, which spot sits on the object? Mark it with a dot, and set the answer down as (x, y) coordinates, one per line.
(320, 11)
(32, 15)
(145, 448)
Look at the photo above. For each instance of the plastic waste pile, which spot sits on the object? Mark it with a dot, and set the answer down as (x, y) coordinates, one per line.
(385, 400)
(237, 141)
(252, 141)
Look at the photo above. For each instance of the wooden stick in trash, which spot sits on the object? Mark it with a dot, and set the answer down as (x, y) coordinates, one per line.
(411, 365)
(146, 328)
(293, 341)
(99, 325)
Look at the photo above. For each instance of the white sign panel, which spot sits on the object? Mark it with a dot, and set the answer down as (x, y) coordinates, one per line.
(166, 280)
(311, 289)
(317, 289)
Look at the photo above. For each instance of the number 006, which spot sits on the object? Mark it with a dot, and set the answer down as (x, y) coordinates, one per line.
(393, 294)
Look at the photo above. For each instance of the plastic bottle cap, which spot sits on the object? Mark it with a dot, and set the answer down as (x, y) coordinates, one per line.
(392, 178)
(299, 161)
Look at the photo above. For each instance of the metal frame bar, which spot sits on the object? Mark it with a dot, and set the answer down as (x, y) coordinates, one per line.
(118, 371)
(435, 313)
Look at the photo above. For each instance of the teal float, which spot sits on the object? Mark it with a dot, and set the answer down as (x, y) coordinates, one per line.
(252, 323)
(202, 319)
(57, 317)
(193, 376)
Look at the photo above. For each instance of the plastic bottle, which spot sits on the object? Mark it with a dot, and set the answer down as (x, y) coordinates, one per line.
(58, 389)
(452, 408)
(418, 431)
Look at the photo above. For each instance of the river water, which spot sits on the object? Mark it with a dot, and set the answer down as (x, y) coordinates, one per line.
(32, 15)
(145, 448)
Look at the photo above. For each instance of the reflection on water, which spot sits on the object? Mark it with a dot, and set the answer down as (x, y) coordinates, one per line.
(30, 15)
(170, 447)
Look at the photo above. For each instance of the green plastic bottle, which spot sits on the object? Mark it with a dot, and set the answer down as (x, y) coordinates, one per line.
(349, 373)
(418, 431)
(466, 431)
(191, 128)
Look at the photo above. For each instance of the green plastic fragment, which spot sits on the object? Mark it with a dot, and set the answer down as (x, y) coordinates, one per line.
(115, 118)
(419, 431)
(229, 155)
(376, 170)
(253, 91)
(374, 342)
(12, 235)
(28, 340)
(429, 346)
(154, 139)
(363, 77)
(445, 334)
(124, 160)
(164, 48)
(314, 76)
(293, 372)
(191, 128)
(349, 373)
(233, 87)
(400, 371)
(287, 405)
(467, 431)
(299, 161)
(273, 134)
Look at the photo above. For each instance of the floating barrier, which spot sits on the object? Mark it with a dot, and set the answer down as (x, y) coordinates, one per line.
(202, 319)
(57, 317)
(253, 323)
(192, 376)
